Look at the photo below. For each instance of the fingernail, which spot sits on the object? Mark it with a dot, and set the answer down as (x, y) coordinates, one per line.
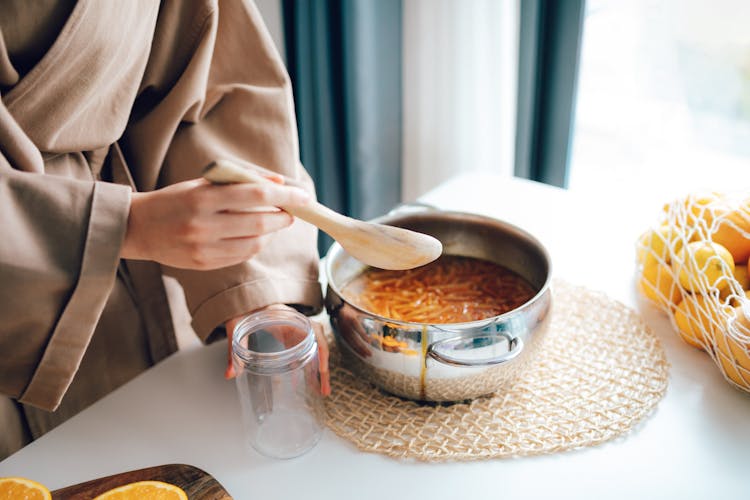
(278, 179)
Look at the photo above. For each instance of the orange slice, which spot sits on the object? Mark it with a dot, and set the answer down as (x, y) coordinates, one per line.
(19, 487)
(153, 490)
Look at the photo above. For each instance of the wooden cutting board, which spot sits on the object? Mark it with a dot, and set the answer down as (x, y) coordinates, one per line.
(198, 484)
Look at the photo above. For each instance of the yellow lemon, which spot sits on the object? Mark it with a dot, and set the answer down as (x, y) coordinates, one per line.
(658, 285)
(19, 487)
(742, 278)
(730, 365)
(732, 230)
(740, 350)
(695, 207)
(696, 316)
(703, 265)
(659, 244)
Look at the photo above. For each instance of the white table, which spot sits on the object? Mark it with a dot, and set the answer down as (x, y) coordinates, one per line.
(695, 445)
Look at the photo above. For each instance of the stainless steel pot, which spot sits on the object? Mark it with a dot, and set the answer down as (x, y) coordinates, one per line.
(445, 362)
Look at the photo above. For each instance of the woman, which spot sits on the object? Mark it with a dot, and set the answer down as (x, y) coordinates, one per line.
(109, 111)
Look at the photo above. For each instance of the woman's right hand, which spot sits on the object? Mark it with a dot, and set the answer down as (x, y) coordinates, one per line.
(198, 225)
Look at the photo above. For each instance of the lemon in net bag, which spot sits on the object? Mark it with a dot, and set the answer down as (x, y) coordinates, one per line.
(693, 265)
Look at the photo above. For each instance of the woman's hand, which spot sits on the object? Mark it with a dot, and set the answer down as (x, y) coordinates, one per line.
(325, 379)
(199, 225)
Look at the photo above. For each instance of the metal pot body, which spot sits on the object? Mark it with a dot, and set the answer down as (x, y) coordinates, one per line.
(445, 362)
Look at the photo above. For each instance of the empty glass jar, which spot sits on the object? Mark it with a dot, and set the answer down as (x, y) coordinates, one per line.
(275, 355)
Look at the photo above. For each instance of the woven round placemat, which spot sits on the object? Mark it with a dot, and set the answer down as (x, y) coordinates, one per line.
(597, 373)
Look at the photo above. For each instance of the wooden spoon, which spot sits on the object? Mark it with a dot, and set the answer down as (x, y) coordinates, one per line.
(377, 245)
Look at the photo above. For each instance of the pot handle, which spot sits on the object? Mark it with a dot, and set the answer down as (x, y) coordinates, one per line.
(440, 350)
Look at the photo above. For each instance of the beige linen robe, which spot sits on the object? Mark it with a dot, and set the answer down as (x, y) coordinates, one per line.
(130, 95)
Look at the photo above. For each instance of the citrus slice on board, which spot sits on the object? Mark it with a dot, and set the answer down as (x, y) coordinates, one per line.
(19, 487)
(152, 490)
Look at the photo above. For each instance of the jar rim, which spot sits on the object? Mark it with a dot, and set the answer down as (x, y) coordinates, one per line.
(278, 360)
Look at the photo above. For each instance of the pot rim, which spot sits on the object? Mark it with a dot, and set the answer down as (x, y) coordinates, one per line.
(336, 249)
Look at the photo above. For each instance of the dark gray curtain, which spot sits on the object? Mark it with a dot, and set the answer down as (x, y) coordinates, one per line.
(549, 53)
(344, 58)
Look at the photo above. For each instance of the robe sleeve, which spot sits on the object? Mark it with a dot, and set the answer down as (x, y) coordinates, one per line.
(221, 91)
(59, 250)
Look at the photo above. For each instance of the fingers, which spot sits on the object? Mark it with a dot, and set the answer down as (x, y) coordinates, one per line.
(325, 375)
(274, 177)
(246, 225)
(228, 234)
(237, 197)
(215, 255)
(230, 371)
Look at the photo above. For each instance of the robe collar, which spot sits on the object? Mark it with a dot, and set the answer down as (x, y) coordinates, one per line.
(79, 95)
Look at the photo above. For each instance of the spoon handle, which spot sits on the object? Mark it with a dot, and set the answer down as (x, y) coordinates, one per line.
(227, 172)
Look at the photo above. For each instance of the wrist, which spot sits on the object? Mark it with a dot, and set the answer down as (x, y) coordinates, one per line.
(132, 247)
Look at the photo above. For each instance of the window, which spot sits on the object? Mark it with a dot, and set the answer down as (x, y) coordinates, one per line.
(663, 96)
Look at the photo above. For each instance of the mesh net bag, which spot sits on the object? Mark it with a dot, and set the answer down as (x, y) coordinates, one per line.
(693, 264)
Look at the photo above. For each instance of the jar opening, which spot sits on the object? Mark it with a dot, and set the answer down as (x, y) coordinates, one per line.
(271, 340)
